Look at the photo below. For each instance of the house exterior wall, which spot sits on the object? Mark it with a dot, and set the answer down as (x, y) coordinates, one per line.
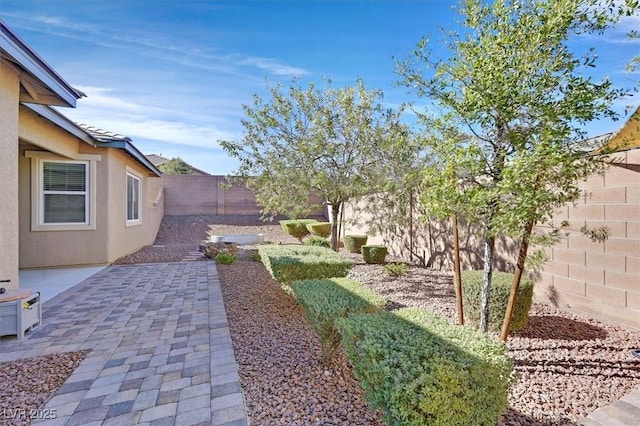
(123, 238)
(110, 237)
(202, 195)
(9, 239)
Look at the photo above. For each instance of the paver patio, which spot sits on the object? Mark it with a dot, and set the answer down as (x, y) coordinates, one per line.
(161, 352)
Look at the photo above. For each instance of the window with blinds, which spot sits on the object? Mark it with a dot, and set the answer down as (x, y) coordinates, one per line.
(133, 198)
(65, 197)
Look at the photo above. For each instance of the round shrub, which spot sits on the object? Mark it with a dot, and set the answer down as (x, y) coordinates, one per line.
(315, 240)
(297, 228)
(225, 258)
(353, 243)
(498, 299)
(320, 229)
(374, 253)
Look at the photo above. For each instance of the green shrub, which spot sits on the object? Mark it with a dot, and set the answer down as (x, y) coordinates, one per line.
(317, 241)
(374, 253)
(297, 228)
(328, 299)
(396, 269)
(252, 254)
(288, 263)
(225, 258)
(354, 242)
(498, 299)
(422, 370)
(320, 229)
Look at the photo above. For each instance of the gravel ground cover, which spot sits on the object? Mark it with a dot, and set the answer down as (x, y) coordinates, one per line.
(28, 383)
(566, 365)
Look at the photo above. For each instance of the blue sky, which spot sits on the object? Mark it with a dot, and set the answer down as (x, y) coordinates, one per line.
(173, 75)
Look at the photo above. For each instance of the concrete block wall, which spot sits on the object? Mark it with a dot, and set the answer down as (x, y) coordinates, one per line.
(202, 195)
(600, 279)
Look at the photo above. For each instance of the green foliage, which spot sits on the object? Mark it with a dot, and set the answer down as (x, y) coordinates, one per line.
(176, 166)
(304, 140)
(354, 243)
(225, 258)
(320, 229)
(317, 241)
(421, 370)
(253, 255)
(499, 298)
(396, 269)
(297, 228)
(511, 102)
(288, 263)
(374, 253)
(325, 300)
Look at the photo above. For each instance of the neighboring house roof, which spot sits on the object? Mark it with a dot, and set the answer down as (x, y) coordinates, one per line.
(39, 83)
(108, 139)
(627, 137)
(158, 160)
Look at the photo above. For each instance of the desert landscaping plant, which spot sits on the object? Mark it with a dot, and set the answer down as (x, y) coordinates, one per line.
(225, 258)
(320, 229)
(374, 253)
(517, 114)
(354, 243)
(422, 370)
(288, 263)
(297, 228)
(328, 299)
(396, 269)
(317, 241)
(304, 140)
(501, 286)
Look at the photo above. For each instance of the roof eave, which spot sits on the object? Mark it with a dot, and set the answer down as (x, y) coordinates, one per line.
(28, 59)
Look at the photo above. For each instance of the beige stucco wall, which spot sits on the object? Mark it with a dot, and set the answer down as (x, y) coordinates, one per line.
(111, 238)
(9, 95)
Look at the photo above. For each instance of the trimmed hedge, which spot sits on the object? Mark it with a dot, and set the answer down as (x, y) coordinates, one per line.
(353, 243)
(297, 228)
(374, 253)
(498, 299)
(422, 370)
(320, 229)
(288, 263)
(315, 240)
(328, 299)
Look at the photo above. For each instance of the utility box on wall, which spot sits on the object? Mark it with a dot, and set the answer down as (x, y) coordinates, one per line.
(19, 315)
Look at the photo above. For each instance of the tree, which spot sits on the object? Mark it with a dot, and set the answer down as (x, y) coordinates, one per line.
(176, 166)
(521, 98)
(332, 142)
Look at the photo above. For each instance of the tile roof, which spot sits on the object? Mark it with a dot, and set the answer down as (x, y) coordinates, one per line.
(103, 135)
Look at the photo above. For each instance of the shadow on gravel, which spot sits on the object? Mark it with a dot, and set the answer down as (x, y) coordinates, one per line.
(552, 327)
(513, 417)
(598, 368)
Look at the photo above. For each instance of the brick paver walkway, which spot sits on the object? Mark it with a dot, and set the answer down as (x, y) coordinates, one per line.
(161, 352)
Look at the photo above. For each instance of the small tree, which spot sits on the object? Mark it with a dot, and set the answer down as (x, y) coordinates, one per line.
(176, 166)
(513, 86)
(300, 141)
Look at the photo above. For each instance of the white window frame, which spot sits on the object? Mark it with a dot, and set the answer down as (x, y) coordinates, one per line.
(131, 174)
(38, 158)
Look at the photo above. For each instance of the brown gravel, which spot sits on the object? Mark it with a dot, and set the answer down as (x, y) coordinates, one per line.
(566, 365)
(28, 383)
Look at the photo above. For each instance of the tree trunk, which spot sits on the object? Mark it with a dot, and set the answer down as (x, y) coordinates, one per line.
(515, 284)
(335, 214)
(489, 244)
(456, 268)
